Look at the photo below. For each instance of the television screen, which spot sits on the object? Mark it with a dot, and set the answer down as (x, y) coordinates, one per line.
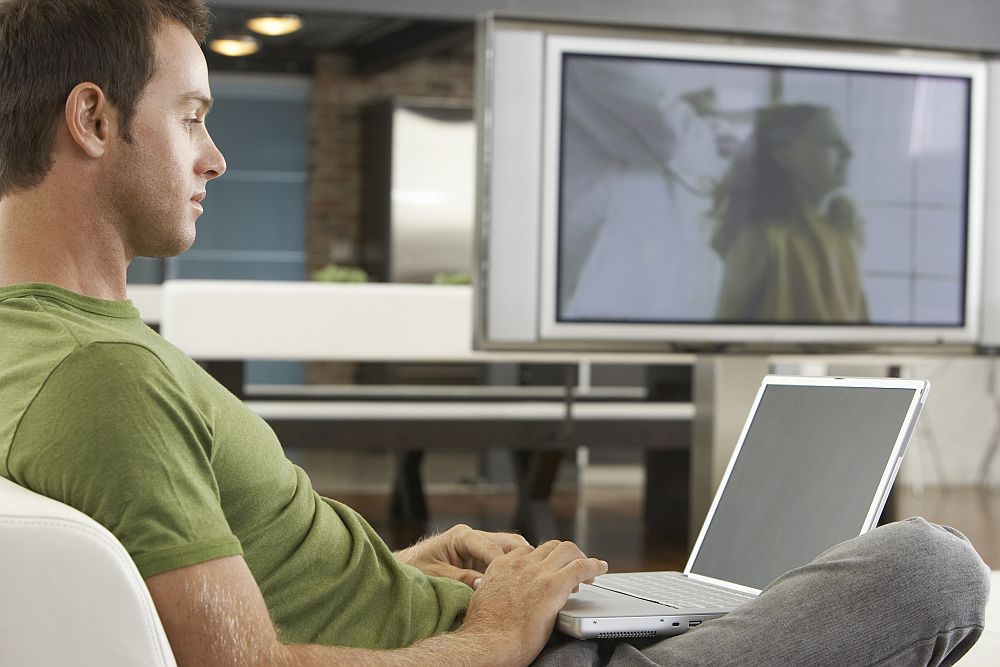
(640, 187)
(739, 193)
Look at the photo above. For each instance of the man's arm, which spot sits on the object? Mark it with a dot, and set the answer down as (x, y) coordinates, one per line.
(214, 614)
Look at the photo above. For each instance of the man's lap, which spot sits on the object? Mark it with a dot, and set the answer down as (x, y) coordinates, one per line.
(909, 593)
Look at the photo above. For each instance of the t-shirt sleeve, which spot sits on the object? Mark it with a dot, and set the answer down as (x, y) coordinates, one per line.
(113, 434)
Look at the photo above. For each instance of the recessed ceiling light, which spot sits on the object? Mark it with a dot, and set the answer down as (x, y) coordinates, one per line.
(275, 25)
(235, 45)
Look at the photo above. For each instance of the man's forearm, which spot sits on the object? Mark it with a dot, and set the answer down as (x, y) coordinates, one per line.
(454, 649)
(214, 614)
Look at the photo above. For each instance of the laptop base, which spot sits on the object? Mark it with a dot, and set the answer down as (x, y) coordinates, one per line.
(594, 613)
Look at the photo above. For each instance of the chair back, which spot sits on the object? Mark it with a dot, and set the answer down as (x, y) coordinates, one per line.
(69, 592)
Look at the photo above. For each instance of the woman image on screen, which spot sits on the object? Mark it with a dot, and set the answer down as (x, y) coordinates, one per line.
(787, 236)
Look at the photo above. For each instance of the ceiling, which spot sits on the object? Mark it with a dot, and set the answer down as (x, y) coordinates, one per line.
(374, 43)
(960, 25)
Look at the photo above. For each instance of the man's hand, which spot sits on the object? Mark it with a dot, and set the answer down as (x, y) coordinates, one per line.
(521, 593)
(460, 553)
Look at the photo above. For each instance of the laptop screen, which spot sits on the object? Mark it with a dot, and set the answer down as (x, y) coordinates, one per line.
(804, 481)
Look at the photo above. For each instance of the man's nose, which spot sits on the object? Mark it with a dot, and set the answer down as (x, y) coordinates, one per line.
(215, 162)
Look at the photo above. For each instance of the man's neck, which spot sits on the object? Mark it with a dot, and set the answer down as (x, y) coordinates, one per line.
(42, 239)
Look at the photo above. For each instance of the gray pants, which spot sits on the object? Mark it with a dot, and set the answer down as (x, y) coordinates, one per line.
(909, 593)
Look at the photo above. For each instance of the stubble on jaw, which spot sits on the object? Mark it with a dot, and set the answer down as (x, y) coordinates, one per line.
(149, 210)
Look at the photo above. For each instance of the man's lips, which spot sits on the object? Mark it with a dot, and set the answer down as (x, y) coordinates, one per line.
(197, 200)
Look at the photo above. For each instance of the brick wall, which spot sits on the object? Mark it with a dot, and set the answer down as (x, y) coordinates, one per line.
(333, 220)
(335, 130)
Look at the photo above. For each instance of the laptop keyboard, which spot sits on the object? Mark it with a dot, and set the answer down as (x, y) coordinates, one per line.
(672, 590)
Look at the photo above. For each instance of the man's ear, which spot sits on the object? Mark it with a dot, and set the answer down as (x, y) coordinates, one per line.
(89, 119)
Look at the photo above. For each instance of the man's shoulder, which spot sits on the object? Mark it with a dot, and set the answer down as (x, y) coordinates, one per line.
(41, 352)
(121, 358)
(104, 397)
(63, 338)
(126, 377)
(42, 324)
(27, 323)
(44, 350)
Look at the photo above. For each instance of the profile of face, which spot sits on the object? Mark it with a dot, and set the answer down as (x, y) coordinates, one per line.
(157, 183)
(816, 157)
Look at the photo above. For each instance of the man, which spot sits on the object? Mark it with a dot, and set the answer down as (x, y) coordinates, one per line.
(104, 156)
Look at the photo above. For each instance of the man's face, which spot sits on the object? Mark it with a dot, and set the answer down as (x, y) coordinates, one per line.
(158, 181)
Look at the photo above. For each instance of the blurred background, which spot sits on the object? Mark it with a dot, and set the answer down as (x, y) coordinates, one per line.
(350, 137)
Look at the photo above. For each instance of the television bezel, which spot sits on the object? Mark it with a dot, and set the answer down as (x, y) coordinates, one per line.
(551, 328)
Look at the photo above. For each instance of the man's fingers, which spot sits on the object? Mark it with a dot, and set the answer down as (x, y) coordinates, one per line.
(560, 554)
(578, 571)
(476, 547)
(508, 541)
(543, 550)
(468, 577)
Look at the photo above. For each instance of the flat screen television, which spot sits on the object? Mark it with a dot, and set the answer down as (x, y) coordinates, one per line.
(650, 188)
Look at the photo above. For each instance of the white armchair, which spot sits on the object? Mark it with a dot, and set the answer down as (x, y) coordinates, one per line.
(70, 595)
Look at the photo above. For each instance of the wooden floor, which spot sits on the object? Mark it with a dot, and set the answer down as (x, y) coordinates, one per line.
(606, 522)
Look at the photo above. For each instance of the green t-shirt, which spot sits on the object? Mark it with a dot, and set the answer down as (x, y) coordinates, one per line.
(100, 413)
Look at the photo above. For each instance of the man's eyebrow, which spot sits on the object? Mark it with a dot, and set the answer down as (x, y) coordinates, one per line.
(204, 102)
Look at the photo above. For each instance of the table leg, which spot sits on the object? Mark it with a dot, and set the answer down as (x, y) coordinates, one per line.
(667, 495)
(408, 501)
(536, 475)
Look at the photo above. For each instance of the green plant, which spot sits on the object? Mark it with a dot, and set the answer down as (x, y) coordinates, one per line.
(458, 278)
(334, 273)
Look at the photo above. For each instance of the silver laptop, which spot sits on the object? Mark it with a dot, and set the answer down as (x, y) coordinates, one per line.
(813, 467)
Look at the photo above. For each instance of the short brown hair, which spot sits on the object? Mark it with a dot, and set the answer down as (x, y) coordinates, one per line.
(47, 47)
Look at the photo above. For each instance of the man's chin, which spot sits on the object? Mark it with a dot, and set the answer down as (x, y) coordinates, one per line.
(161, 251)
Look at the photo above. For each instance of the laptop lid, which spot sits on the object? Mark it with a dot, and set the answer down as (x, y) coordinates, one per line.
(812, 468)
